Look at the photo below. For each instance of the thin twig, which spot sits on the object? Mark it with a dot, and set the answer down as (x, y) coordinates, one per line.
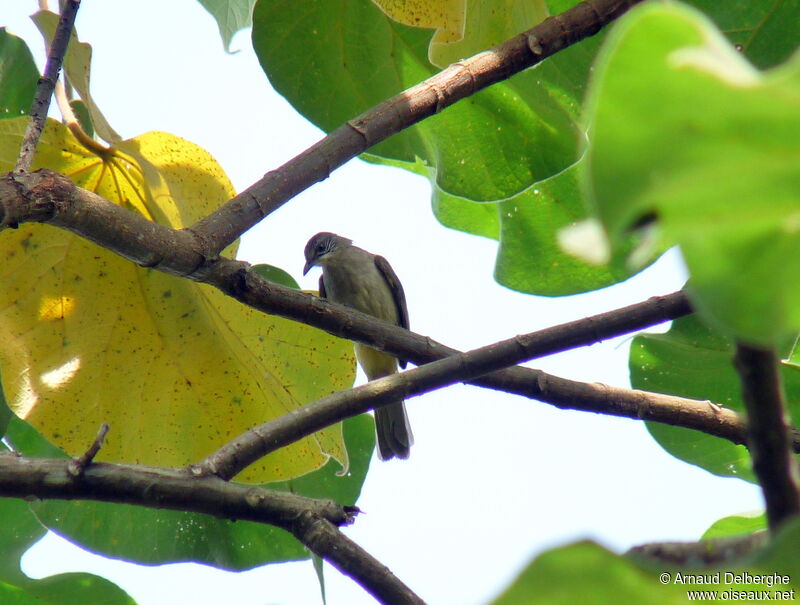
(44, 90)
(768, 433)
(77, 466)
(425, 99)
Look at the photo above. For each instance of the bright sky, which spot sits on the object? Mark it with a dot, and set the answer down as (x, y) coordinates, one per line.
(493, 479)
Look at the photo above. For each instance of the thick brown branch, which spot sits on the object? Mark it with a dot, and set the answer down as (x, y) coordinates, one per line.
(45, 478)
(313, 522)
(44, 90)
(768, 434)
(407, 108)
(52, 198)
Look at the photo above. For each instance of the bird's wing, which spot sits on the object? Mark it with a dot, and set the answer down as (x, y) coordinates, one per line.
(322, 293)
(399, 296)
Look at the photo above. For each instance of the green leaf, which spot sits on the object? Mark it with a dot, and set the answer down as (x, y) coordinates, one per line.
(691, 360)
(495, 146)
(685, 129)
(767, 31)
(531, 259)
(584, 572)
(18, 532)
(18, 76)
(149, 536)
(231, 16)
(277, 275)
(736, 525)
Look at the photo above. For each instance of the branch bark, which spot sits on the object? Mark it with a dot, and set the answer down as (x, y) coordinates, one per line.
(54, 199)
(427, 98)
(280, 432)
(314, 522)
(23, 477)
(768, 433)
(44, 89)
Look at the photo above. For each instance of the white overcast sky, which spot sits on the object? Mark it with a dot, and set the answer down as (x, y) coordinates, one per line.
(493, 479)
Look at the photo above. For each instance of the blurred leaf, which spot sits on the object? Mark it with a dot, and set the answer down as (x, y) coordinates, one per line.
(736, 525)
(584, 572)
(175, 368)
(692, 361)
(151, 536)
(18, 76)
(231, 16)
(277, 275)
(686, 130)
(77, 66)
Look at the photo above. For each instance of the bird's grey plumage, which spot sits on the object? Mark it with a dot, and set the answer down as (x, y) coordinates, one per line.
(366, 282)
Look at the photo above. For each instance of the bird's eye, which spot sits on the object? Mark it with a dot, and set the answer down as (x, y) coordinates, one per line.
(320, 248)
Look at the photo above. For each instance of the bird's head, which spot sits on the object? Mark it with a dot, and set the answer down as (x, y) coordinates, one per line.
(321, 247)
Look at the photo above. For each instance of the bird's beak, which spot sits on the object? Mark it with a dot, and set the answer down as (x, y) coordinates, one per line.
(309, 264)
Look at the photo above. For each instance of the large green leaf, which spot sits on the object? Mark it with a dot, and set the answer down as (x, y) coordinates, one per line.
(145, 535)
(685, 129)
(585, 572)
(18, 76)
(333, 59)
(692, 361)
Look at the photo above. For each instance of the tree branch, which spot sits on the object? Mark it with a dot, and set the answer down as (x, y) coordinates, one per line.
(768, 433)
(46, 478)
(54, 199)
(236, 455)
(427, 98)
(326, 541)
(44, 89)
(314, 522)
(705, 553)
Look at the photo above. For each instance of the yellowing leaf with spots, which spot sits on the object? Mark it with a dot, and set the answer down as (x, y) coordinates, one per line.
(445, 16)
(465, 27)
(487, 23)
(174, 367)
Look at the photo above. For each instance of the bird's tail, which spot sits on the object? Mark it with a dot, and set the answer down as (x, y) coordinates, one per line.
(394, 433)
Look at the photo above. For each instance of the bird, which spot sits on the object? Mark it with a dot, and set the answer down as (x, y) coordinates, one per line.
(366, 282)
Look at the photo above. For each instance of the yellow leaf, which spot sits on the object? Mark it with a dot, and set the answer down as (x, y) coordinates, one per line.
(465, 27)
(487, 23)
(175, 368)
(445, 16)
